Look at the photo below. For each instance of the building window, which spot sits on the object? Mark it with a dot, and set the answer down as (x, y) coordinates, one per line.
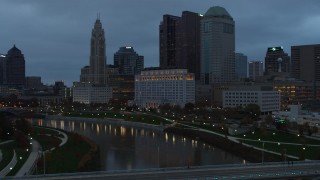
(206, 27)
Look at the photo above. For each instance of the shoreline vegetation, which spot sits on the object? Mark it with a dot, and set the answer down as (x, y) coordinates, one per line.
(78, 154)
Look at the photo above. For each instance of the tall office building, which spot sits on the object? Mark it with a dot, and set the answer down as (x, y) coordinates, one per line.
(2, 58)
(128, 61)
(306, 62)
(180, 42)
(241, 66)
(277, 60)
(14, 68)
(255, 69)
(95, 72)
(217, 46)
(168, 41)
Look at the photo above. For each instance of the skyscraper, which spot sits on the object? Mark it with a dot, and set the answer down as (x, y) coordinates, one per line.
(14, 68)
(95, 72)
(168, 41)
(306, 62)
(217, 46)
(128, 61)
(255, 69)
(180, 42)
(2, 58)
(277, 61)
(241, 66)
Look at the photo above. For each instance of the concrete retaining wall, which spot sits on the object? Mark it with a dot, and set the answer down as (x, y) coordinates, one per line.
(120, 122)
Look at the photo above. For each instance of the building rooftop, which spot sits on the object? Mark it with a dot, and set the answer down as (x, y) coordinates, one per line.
(217, 11)
(14, 50)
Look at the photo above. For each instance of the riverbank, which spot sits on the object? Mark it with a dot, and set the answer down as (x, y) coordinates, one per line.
(79, 153)
(112, 121)
(248, 153)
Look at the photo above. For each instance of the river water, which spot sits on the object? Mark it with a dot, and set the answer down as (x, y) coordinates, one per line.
(126, 148)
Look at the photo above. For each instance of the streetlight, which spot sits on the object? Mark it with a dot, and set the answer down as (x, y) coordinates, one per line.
(43, 153)
(262, 152)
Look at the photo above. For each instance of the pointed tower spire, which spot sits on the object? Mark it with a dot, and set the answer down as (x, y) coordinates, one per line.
(98, 16)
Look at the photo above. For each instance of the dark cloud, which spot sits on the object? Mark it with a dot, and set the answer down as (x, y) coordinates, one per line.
(55, 35)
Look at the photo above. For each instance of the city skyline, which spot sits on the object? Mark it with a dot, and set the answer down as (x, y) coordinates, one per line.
(55, 40)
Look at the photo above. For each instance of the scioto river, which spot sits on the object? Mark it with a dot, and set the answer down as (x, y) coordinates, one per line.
(126, 148)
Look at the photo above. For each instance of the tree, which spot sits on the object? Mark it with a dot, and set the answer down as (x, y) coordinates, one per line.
(253, 110)
(268, 119)
(315, 129)
(177, 108)
(165, 107)
(189, 108)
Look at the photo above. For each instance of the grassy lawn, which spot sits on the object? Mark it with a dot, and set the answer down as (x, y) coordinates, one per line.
(21, 152)
(296, 150)
(143, 118)
(46, 142)
(269, 135)
(7, 151)
(64, 159)
(39, 130)
(7, 154)
(208, 127)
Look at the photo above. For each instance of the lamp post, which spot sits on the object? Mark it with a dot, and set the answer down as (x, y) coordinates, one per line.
(43, 153)
(262, 152)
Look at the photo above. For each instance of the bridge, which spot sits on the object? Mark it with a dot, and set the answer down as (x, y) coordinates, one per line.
(276, 170)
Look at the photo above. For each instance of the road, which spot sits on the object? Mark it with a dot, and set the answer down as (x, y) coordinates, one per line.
(256, 171)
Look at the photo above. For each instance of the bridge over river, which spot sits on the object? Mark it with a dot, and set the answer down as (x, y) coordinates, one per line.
(278, 170)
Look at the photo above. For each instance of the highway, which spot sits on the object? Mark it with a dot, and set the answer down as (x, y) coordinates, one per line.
(249, 171)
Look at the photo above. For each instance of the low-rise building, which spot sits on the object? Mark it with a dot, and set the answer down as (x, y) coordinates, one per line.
(295, 114)
(89, 93)
(268, 101)
(159, 86)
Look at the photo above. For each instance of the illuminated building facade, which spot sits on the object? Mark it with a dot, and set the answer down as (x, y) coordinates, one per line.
(306, 62)
(156, 87)
(217, 46)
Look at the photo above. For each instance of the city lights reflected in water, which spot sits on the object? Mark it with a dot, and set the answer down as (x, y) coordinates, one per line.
(166, 135)
(125, 148)
(62, 124)
(98, 128)
(123, 131)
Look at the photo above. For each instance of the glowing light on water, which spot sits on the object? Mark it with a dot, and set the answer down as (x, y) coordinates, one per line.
(166, 136)
(98, 129)
(122, 131)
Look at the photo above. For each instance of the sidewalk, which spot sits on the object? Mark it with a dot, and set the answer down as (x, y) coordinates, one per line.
(25, 169)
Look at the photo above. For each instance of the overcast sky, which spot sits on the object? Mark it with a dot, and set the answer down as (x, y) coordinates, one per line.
(54, 35)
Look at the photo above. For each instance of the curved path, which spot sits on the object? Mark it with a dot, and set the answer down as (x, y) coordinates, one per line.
(29, 164)
(35, 154)
(63, 139)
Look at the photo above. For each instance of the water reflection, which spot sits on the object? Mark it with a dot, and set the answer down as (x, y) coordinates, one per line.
(124, 148)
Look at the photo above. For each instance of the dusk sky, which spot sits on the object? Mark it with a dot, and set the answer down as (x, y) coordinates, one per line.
(54, 36)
